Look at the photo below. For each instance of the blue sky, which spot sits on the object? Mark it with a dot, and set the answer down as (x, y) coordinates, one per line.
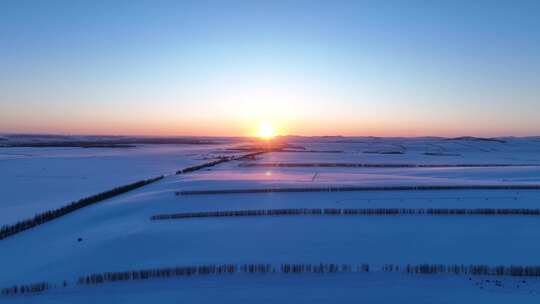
(403, 68)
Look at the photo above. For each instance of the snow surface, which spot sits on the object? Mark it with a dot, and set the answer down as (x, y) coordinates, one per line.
(118, 234)
(328, 288)
(38, 179)
(369, 150)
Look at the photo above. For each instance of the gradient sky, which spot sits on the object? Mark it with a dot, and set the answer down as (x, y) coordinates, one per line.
(383, 68)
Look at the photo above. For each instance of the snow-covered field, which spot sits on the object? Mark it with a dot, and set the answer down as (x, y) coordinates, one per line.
(38, 179)
(118, 235)
(328, 288)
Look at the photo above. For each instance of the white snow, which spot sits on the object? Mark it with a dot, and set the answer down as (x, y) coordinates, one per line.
(119, 235)
(328, 288)
(38, 179)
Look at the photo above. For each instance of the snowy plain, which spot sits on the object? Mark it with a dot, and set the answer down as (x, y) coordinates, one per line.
(329, 288)
(38, 179)
(118, 234)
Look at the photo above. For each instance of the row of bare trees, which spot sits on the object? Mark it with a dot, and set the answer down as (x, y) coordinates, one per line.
(287, 268)
(22, 289)
(356, 211)
(513, 270)
(41, 218)
(361, 188)
(221, 160)
(98, 278)
(375, 165)
(203, 166)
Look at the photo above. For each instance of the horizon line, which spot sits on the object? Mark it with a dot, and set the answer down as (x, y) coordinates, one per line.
(253, 136)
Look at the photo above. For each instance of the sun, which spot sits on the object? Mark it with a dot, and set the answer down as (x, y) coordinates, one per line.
(266, 131)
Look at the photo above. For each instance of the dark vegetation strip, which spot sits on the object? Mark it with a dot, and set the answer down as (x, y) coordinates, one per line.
(107, 143)
(363, 165)
(322, 268)
(219, 161)
(25, 289)
(337, 211)
(47, 216)
(69, 145)
(361, 188)
(285, 150)
(512, 270)
(471, 138)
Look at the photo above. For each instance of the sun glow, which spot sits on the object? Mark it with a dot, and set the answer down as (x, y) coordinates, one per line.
(266, 131)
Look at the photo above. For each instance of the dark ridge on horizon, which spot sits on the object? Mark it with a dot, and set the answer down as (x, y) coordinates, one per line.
(125, 141)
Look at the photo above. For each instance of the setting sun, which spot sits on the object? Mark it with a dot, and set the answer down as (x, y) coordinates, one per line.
(266, 131)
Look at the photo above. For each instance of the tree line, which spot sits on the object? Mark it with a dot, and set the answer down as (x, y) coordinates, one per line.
(356, 211)
(46, 216)
(374, 165)
(221, 160)
(205, 165)
(513, 270)
(99, 278)
(321, 268)
(362, 188)
(286, 268)
(22, 289)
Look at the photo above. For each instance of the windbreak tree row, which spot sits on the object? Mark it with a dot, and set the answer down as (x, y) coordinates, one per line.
(375, 165)
(22, 289)
(285, 269)
(362, 188)
(357, 211)
(50, 215)
(218, 161)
